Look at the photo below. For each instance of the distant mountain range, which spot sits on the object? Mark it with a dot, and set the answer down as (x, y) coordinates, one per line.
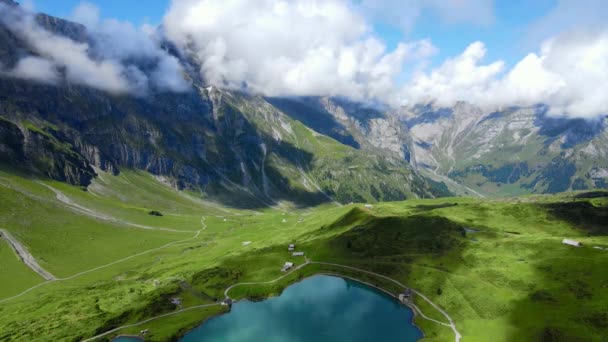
(248, 150)
(512, 151)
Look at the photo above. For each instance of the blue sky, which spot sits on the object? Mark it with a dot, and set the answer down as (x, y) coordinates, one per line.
(137, 12)
(505, 36)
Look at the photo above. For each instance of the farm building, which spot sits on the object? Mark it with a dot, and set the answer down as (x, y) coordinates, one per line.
(369, 206)
(405, 296)
(288, 265)
(572, 243)
(298, 254)
(291, 247)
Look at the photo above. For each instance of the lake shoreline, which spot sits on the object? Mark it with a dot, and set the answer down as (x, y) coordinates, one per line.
(134, 337)
(411, 307)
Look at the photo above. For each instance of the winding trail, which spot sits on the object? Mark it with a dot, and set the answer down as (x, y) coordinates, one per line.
(451, 323)
(25, 255)
(197, 233)
(148, 320)
(30, 261)
(267, 282)
(95, 214)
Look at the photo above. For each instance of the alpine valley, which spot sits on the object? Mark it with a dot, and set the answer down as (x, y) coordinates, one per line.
(146, 213)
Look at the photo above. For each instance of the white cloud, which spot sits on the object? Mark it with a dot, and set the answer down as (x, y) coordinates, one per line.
(36, 69)
(570, 74)
(60, 52)
(107, 65)
(122, 41)
(460, 78)
(329, 48)
(301, 47)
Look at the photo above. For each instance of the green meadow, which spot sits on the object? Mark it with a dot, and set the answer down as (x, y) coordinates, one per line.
(497, 267)
(15, 275)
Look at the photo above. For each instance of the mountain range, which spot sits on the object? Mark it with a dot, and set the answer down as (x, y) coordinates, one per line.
(512, 151)
(248, 150)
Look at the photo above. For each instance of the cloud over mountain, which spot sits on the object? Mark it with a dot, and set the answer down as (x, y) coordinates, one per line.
(325, 48)
(300, 47)
(106, 62)
(308, 47)
(569, 73)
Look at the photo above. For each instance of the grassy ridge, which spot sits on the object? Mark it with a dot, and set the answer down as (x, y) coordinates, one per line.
(497, 267)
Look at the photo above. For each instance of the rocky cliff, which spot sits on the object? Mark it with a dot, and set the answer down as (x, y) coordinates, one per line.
(510, 151)
(238, 148)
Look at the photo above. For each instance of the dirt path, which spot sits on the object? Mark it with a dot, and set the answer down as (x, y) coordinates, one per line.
(457, 334)
(148, 320)
(197, 233)
(25, 255)
(451, 323)
(95, 214)
(266, 282)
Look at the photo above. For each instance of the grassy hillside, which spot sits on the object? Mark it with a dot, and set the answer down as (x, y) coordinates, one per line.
(498, 268)
(15, 275)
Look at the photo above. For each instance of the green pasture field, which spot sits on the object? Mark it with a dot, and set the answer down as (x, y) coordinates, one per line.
(497, 267)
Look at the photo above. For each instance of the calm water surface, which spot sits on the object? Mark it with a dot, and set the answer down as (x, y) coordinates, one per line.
(321, 308)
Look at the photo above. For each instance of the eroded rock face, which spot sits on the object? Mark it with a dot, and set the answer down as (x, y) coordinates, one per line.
(373, 127)
(520, 146)
(41, 152)
(238, 147)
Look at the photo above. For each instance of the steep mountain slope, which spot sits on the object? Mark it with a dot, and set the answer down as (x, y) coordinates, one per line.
(355, 124)
(234, 147)
(513, 151)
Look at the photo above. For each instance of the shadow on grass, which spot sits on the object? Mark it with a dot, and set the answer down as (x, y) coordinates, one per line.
(582, 215)
(568, 300)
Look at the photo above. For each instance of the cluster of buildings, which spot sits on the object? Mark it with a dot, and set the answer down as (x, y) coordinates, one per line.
(289, 265)
(292, 248)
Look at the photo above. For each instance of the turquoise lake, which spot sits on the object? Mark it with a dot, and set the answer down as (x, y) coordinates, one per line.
(320, 308)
